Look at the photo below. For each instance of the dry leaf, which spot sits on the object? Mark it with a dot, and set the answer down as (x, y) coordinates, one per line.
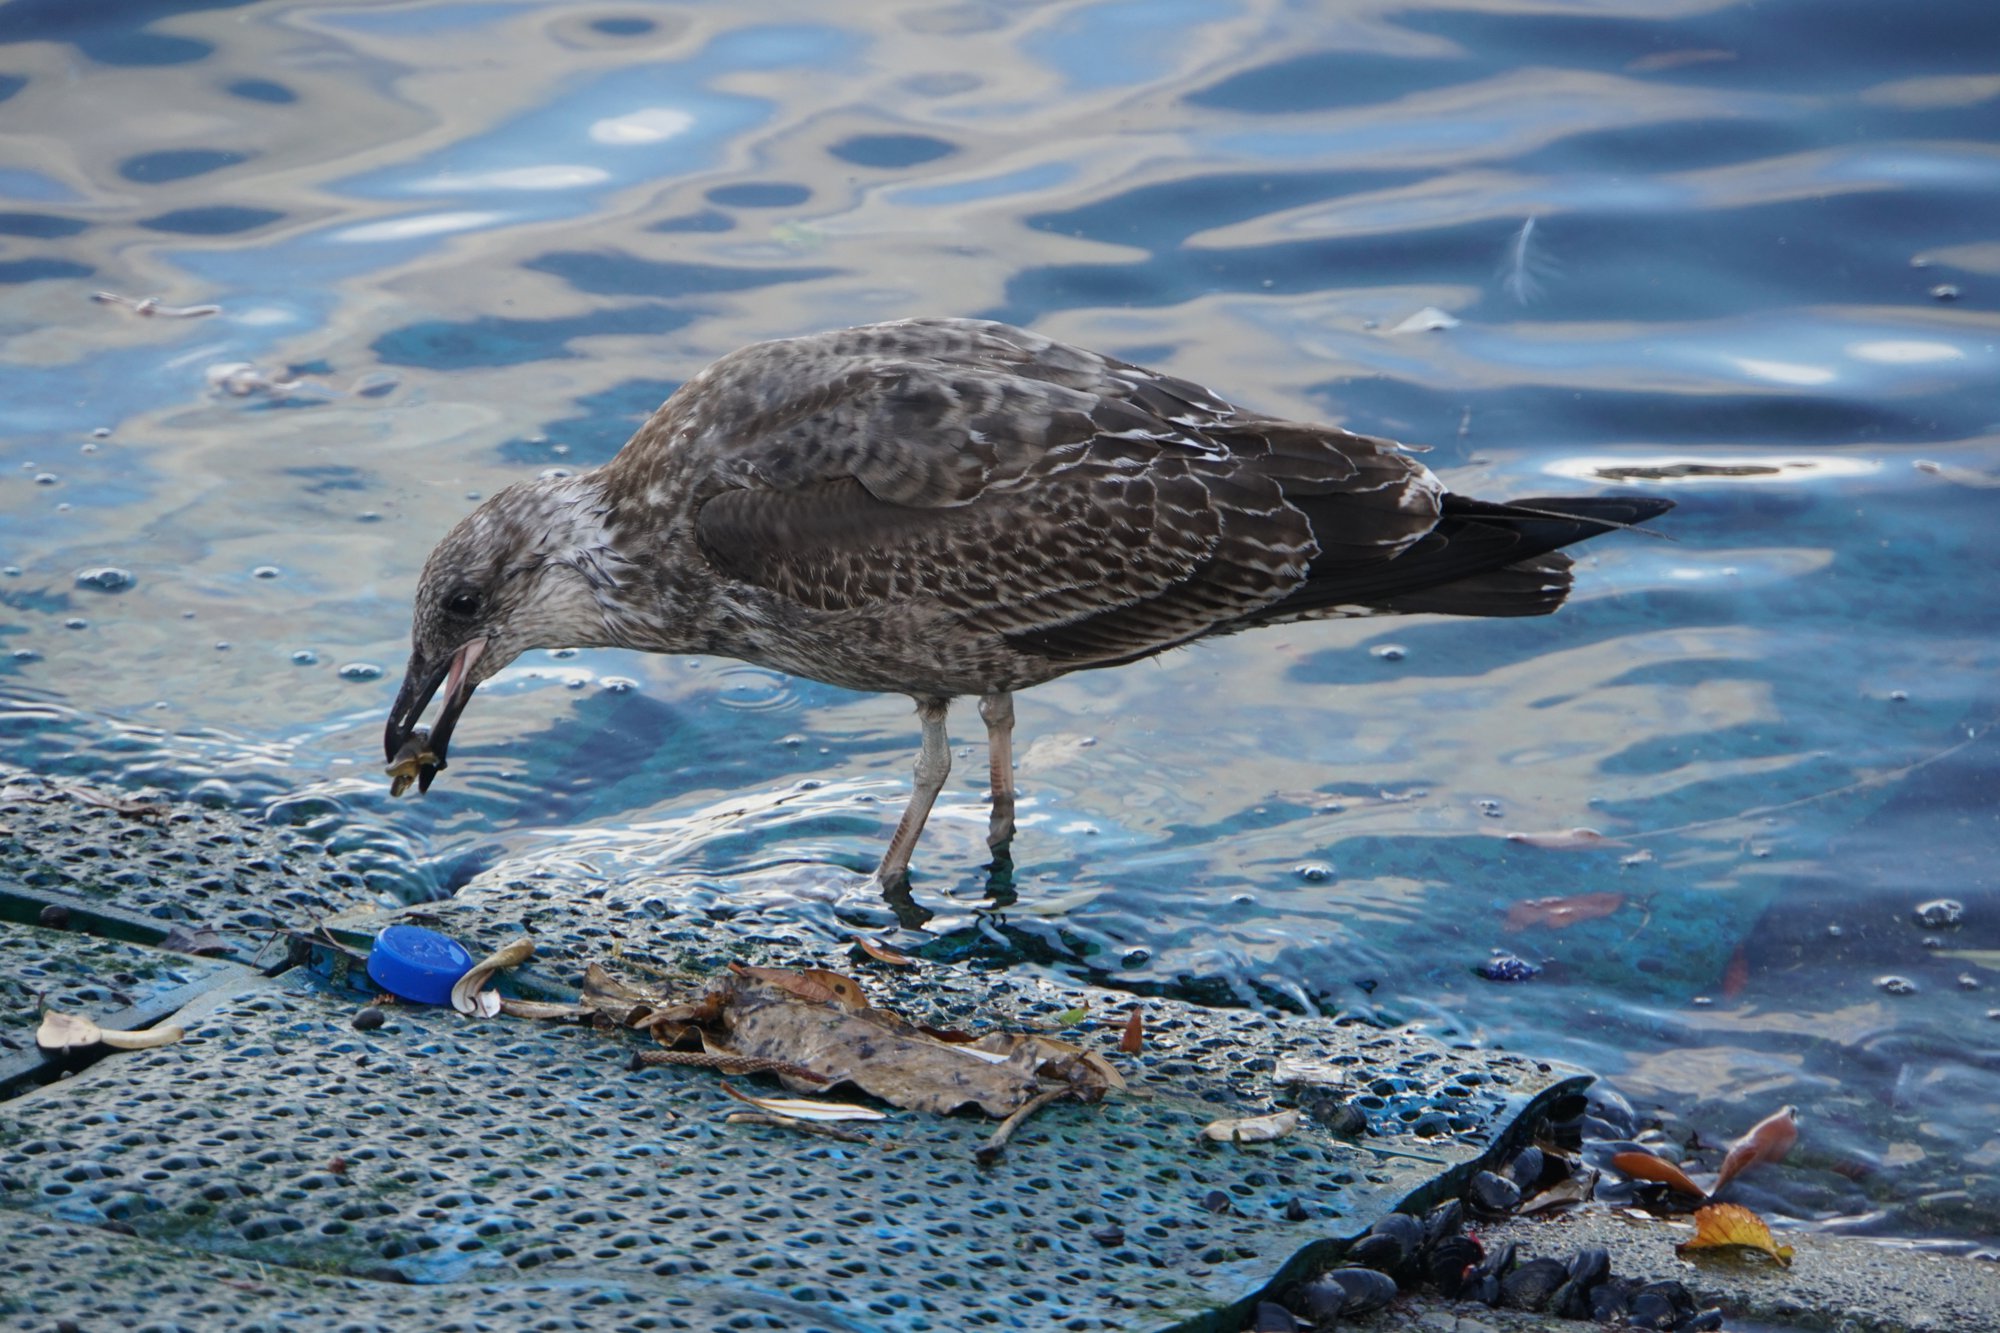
(1732, 1226)
(800, 1108)
(1579, 1187)
(882, 953)
(1768, 1141)
(548, 1009)
(1645, 1166)
(1568, 840)
(469, 994)
(1560, 912)
(1134, 1040)
(66, 1032)
(1253, 1129)
(814, 985)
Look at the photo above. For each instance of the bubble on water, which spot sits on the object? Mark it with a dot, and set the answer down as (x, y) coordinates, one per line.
(1389, 652)
(87, 447)
(12, 571)
(1701, 1002)
(222, 645)
(472, 495)
(64, 507)
(562, 654)
(360, 671)
(46, 479)
(575, 683)
(305, 657)
(1489, 807)
(1966, 981)
(107, 578)
(1896, 985)
(1945, 291)
(1313, 872)
(1899, 696)
(101, 433)
(792, 742)
(368, 516)
(265, 572)
(76, 622)
(1136, 957)
(1834, 932)
(619, 684)
(1940, 913)
(26, 655)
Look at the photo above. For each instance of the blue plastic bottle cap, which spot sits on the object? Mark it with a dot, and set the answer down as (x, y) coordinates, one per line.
(412, 963)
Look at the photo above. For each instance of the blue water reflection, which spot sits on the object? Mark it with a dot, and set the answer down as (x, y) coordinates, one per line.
(1662, 245)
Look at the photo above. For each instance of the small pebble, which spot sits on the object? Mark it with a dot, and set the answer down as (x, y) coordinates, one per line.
(1215, 1201)
(264, 572)
(55, 916)
(369, 1019)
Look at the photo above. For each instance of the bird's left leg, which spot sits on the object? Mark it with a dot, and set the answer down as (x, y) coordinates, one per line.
(933, 767)
(997, 711)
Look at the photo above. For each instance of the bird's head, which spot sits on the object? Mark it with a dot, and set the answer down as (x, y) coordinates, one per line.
(527, 569)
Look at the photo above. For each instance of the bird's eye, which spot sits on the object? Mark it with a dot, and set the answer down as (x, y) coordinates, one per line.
(462, 603)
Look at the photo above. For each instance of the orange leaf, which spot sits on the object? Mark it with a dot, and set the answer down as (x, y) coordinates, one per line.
(815, 985)
(1732, 1226)
(1134, 1039)
(1768, 1141)
(882, 953)
(1645, 1166)
(1560, 912)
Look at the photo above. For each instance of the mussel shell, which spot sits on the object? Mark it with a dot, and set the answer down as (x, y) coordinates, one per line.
(1660, 1305)
(1493, 1195)
(1590, 1266)
(1533, 1284)
(1452, 1261)
(1706, 1322)
(1484, 1288)
(1526, 1168)
(1392, 1245)
(1500, 1260)
(1363, 1290)
(1443, 1222)
(1273, 1318)
(1611, 1298)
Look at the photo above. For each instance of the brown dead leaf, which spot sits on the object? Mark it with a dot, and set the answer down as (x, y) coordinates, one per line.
(201, 941)
(1253, 1129)
(800, 1108)
(1645, 1166)
(1134, 1040)
(469, 994)
(814, 985)
(1560, 912)
(882, 953)
(1732, 1226)
(1768, 1141)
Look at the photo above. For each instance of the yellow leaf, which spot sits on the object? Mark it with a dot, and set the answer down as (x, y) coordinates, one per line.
(1732, 1226)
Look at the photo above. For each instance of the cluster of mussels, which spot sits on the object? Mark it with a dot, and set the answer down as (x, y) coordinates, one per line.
(1436, 1252)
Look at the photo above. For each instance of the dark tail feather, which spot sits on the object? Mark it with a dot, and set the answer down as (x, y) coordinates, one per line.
(1482, 559)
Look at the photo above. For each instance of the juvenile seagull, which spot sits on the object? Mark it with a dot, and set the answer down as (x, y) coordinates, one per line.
(946, 507)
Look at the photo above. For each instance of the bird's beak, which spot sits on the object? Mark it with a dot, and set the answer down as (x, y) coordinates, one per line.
(410, 750)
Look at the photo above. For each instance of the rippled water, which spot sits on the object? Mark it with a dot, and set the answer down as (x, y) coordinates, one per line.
(1742, 253)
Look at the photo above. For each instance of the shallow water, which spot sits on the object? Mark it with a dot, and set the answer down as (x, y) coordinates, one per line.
(1660, 244)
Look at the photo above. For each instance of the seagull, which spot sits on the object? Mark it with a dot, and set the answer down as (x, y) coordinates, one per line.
(953, 507)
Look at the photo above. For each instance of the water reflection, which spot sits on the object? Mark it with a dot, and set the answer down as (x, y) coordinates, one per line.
(453, 245)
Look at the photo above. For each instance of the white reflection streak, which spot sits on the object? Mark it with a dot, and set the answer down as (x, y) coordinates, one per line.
(1903, 351)
(1783, 372)
(648, 126)
(549, 176)
(419, 224)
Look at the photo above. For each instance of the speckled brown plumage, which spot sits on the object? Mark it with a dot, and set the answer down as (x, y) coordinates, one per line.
(944, 507)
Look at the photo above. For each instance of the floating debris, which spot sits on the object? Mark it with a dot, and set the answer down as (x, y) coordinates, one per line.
(151, 308)
(1768, 1141)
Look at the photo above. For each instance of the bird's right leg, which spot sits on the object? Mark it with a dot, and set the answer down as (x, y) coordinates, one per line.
(933, 767)
(997, 711)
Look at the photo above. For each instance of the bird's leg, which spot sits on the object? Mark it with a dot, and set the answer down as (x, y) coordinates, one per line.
(997, 711)
(933, 767)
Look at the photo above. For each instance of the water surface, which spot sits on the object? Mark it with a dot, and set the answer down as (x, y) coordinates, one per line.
(1666, 246)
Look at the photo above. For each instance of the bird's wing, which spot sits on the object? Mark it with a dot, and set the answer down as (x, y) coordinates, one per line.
(1086, 508)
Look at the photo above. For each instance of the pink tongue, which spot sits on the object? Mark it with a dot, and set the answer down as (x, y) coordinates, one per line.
(461, 665)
